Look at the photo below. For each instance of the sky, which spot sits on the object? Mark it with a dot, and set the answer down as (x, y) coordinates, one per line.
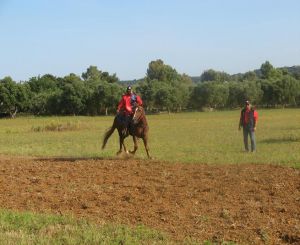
(60, 37)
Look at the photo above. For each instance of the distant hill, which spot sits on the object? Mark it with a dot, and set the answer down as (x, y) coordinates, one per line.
(294, 70)
(195, 79)
(130, 82)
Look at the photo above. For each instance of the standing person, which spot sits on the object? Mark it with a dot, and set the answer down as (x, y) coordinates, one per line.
(248, 121)
(125, 107)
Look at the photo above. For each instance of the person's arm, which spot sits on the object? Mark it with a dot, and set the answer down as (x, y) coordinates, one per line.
(139, 100)
(120, 105)
(241, 120)
(255, 119)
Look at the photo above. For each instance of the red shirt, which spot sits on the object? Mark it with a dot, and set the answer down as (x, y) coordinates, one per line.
(126, 103)
(247, 116)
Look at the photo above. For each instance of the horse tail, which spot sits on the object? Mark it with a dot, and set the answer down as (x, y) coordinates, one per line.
(107, 134)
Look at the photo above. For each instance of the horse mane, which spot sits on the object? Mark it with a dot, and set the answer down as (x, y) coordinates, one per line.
(142, 117)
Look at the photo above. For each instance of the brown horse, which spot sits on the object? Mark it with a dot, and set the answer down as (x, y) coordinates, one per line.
(138, 128)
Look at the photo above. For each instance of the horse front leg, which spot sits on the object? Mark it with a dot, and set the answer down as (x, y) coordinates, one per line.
(145, 140)
(135, 145)
(124, 147)
(121, 142)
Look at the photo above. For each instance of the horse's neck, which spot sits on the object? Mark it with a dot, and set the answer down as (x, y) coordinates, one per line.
(144, 120)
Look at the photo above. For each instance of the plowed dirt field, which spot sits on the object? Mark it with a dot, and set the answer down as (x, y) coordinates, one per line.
(248, 204)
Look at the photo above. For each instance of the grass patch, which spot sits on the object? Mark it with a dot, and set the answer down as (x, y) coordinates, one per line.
(56, 126)
(29, 228)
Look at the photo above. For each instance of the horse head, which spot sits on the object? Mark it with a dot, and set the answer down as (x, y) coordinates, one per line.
(139, 113)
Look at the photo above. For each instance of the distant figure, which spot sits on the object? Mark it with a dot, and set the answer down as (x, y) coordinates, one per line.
(248, 121)
(126, 106)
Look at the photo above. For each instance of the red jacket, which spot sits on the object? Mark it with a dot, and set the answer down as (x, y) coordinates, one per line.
(128, 101)
(249, 117)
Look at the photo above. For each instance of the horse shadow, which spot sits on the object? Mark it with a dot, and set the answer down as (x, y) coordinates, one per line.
(70, 159)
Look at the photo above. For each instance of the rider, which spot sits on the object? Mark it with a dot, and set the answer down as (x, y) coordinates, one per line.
(127, 103)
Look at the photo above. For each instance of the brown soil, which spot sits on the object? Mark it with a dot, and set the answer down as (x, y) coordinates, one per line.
(248, 204)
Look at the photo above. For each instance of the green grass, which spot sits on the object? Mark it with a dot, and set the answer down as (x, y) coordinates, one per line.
(18, 228)
(206, 137)
(29, 228)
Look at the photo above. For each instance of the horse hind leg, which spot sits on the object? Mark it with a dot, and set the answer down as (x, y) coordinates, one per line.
(124, 147)
(121, 142)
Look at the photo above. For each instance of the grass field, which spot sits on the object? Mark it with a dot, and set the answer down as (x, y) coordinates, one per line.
(29, 228)
(207, 137)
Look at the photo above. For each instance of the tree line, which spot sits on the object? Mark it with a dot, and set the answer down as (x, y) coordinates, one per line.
(162, 89)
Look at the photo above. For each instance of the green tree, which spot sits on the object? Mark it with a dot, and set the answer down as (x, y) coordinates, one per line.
(236, 94)
(14, 97)
(210, 94)
(212, 75)
(45, 83)
(180, 95)
(106, 97)
(269, 72)
(268, 97)
(8, 96)
(45, 94)
(39, 103)
(250, 76)
(157, 70)
(164, 88)
(109, 78)
(74, 95)
(286, 90)
(148, 90)
(251, 91)
(24, 95)
(92, 74)
(164, 97)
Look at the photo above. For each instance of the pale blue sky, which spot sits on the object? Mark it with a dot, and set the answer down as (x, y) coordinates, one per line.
(122, 36)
